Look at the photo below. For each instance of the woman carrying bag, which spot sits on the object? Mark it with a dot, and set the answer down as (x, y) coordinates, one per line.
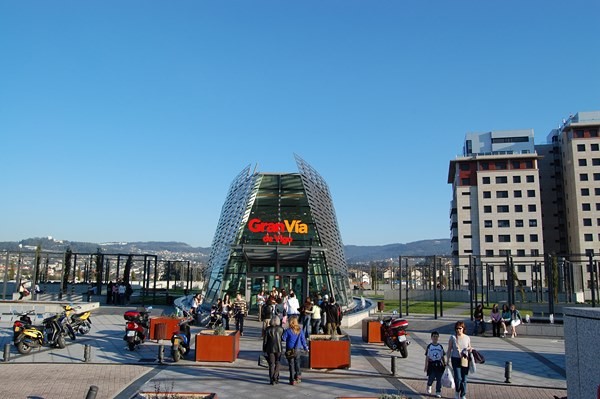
(459, 350)
(294, 340)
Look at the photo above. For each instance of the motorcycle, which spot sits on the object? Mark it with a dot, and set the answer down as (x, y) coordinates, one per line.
(23, 322)
(51, 333)
(81, 322)
(394, 334)
(137, 327)
(180, 341)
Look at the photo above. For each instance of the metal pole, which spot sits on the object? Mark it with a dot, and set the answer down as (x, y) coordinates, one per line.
(470, 275)
(161, 354)
(5, 276)
(592, 267)
(400, 286)
(6, 352)
(87, 351)
(507, 371)
(92, 392)
(441, 292)
(435, 316)
(406, 297)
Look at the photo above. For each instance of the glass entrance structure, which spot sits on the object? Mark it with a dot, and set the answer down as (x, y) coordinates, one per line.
(278, 230)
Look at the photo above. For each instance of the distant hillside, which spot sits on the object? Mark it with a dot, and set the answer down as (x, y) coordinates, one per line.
(354, 253)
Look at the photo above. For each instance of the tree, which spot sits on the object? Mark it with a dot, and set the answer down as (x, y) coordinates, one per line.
(127, 271)
(99, 259)
(66, 270)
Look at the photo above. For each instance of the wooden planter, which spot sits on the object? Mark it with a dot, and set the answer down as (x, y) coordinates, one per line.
(162, 327)
(371, 331)
(217, 348)
(327, 354)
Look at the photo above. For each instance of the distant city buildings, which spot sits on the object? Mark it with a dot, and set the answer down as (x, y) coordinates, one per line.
(513, 198)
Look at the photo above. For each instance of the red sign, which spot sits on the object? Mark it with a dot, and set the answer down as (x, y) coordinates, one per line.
(277, 228)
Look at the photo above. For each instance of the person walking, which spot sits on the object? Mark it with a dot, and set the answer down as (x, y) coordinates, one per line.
(225, 309)
(332, 314)
(434, 364)
(292, 306)
(496, 317)
(316, 319)
(294, 341)
(459, 349)
(260, 302)
(306, 315)
(239, 312)
(272, 347)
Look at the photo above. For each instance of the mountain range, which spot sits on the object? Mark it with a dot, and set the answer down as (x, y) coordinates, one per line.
(354, 253)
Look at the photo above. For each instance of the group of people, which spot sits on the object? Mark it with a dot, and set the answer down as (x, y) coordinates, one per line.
(509, 317)
(118, 293)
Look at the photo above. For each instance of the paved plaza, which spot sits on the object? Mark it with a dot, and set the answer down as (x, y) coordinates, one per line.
(538, 367)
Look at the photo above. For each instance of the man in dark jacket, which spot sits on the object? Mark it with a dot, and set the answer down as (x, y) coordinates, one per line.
(333, 313)
(272, 347)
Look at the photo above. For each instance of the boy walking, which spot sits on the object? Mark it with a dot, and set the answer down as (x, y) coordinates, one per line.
(434, 364)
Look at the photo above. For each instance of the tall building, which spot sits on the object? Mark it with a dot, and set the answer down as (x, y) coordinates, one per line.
(496, 209)
(278, 229)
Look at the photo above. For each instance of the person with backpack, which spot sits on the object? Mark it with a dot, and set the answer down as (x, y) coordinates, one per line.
(434, 364)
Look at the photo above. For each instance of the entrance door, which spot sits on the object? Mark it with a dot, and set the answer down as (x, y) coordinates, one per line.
(258, 283)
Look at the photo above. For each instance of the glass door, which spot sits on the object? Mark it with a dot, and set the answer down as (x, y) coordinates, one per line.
(258, 283)
(296, 283)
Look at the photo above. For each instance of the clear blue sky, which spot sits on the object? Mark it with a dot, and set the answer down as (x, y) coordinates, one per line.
(128, 120)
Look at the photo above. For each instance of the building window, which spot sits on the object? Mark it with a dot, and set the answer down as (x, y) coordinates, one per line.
(466, 222)
(518, 208)
(466, 207)
(486, 180)
(487, 194)
(532, 222)
(500, 165)
(530, 193)
(535, 252)
(501, 180)
(501, 194)
(489, 238)
(516, 179)
(533, 237)
(598, 206)
(517, 193)
(597, 191)
(504, 252)
(502, 209)
(588, 237)
(487, 209)
(530, 179)
(596, 161)
(519, 223)
(465, 181)
(531, 208)
(580, 147)
(598, 222)
(464, 166)
(516, 165)
(489, 252)
(521, 268)
(583, 162)
(596, 176)
(487, 223)
(583, 177)
(595, 147)
(520, 238)
(485, 165)
(529, 164)
(504, 238)
(503, 223)
(585, 192)
(587, 222)
(586, 207)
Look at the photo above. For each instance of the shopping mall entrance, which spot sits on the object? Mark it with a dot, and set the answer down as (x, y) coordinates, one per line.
(266, 282)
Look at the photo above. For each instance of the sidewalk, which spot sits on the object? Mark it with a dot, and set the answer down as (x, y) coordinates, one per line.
(537, 364)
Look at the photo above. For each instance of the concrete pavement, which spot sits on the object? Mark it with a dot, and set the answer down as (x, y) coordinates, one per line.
(538, 366)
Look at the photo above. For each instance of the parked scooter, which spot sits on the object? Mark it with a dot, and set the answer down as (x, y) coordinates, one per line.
(51, 333)
(23, 322)
(137, 327)
(180, 341)
(81, 322)
(394, 334)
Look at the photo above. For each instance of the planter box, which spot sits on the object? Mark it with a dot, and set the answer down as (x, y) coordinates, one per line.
(217, 348)
(163, 327)
(182, 395)
(327, 354)
(371, 331)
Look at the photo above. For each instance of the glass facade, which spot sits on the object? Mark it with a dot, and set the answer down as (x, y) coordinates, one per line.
(278, 230)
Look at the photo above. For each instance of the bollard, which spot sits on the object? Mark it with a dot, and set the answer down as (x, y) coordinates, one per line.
(394, 365)
(507, 371)
(161, 353)
(6, 352)
(87, 351)
(92, 392)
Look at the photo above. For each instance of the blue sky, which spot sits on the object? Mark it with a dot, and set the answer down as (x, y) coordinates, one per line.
(128, 120)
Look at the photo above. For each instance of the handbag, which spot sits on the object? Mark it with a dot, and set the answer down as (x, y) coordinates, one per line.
(448, 378)
(464, 361)
(262, 361)
(291, 353)
(478, 356)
